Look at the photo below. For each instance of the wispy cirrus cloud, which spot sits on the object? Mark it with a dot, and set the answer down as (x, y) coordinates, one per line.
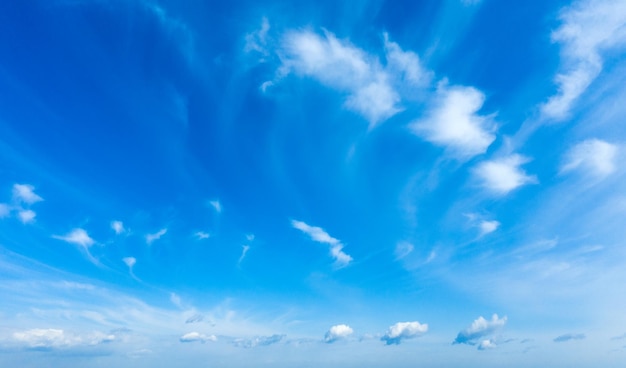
(402, 331)
(78, 237)
(479, 329)
(321, 236)
(593, 157)
(150, 238)
(589, 29)
(502, 175)
(569, 337)
(337, 332)
(258, 341)
(217, 206)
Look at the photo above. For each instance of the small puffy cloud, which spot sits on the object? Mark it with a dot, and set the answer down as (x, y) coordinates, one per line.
(258, 341)
(196, 336)
(78, 237)
(503, 175)
(452, 122)
(480, 328)
(568, 337)
(487, 344)
(342, 66)
(129, 261)
(50, 338)
(403, 330)
(156, 236)
(588, 29)
(487, 227)
(403, 249)
(202, 235)
(217, 206)
(26, 216)
(594, 157)
(337, 332)
(5, 210)
(117, 226)
(25, 193)
(321, 236)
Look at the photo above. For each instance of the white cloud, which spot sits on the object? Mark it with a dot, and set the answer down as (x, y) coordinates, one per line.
(244, 251)
(77, 236)
(504, 174)
(479, 329)
(156, 236)
(216, 205)
(340, 65)
(403, 249)
(487, 227)
(257, 40)
(202, 235)
(129, 261)
(405, 65)
(487, 344)
(593, 156)
(196, 336)
(589, 28)
(55, 338)
(321, 236)
(25, 193)
(337, 332)
(5, 210)
(403, 330)
(26, 216)
(117, 226)
(453, 122)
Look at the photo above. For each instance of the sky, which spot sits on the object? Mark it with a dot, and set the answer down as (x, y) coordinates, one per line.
(314, 183)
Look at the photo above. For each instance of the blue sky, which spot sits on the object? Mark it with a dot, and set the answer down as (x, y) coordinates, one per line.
(312, 184)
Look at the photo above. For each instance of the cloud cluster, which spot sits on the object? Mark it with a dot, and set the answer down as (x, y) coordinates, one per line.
(589, 28)
(321, 236)
(258, 341)
(49, 338)
(337, 332)
(479, 329)
(403, 330)
(24, 197)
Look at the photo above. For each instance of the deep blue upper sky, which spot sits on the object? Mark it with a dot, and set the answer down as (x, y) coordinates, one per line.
(280, 184)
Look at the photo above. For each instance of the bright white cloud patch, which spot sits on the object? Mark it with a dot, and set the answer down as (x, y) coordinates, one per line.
(593, 157)
(340, 65)
(487, 227)
(25, 193)
(77, 237)
(452, 122)
(321, 236)
(504, 174)
(55, 338)
(403, 330)
(156, 236)
(589, 28)
(480, 328)
(26, 216)
(337, 332)
(117, 226)
(487, 344)
(196, 336)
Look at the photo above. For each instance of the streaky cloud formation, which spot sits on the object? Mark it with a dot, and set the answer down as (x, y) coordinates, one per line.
(569, 337)
(403, 330)
(258, 341)
(337, 332)
(592, 157)
(403, 249)
(321, 236)
(217, 206)
(150, 238)
(478, 329)
(502, 175)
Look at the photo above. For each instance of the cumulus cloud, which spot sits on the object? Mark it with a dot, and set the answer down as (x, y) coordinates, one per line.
(593, 157)
(342, 66)
(487, 344)
(117, 226)
(403, 249)
(503, 175)
(156, 236)
(217, 206)
(196, 336)
(480, 328)
(26, 216)
(589, 28)
(50, 338)
(568, 337)
(78, 237)
(321, 236)
(25, 193)
(452, 122)
(337, 332)
(487, 227)
(403, 330)
(258, 341)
